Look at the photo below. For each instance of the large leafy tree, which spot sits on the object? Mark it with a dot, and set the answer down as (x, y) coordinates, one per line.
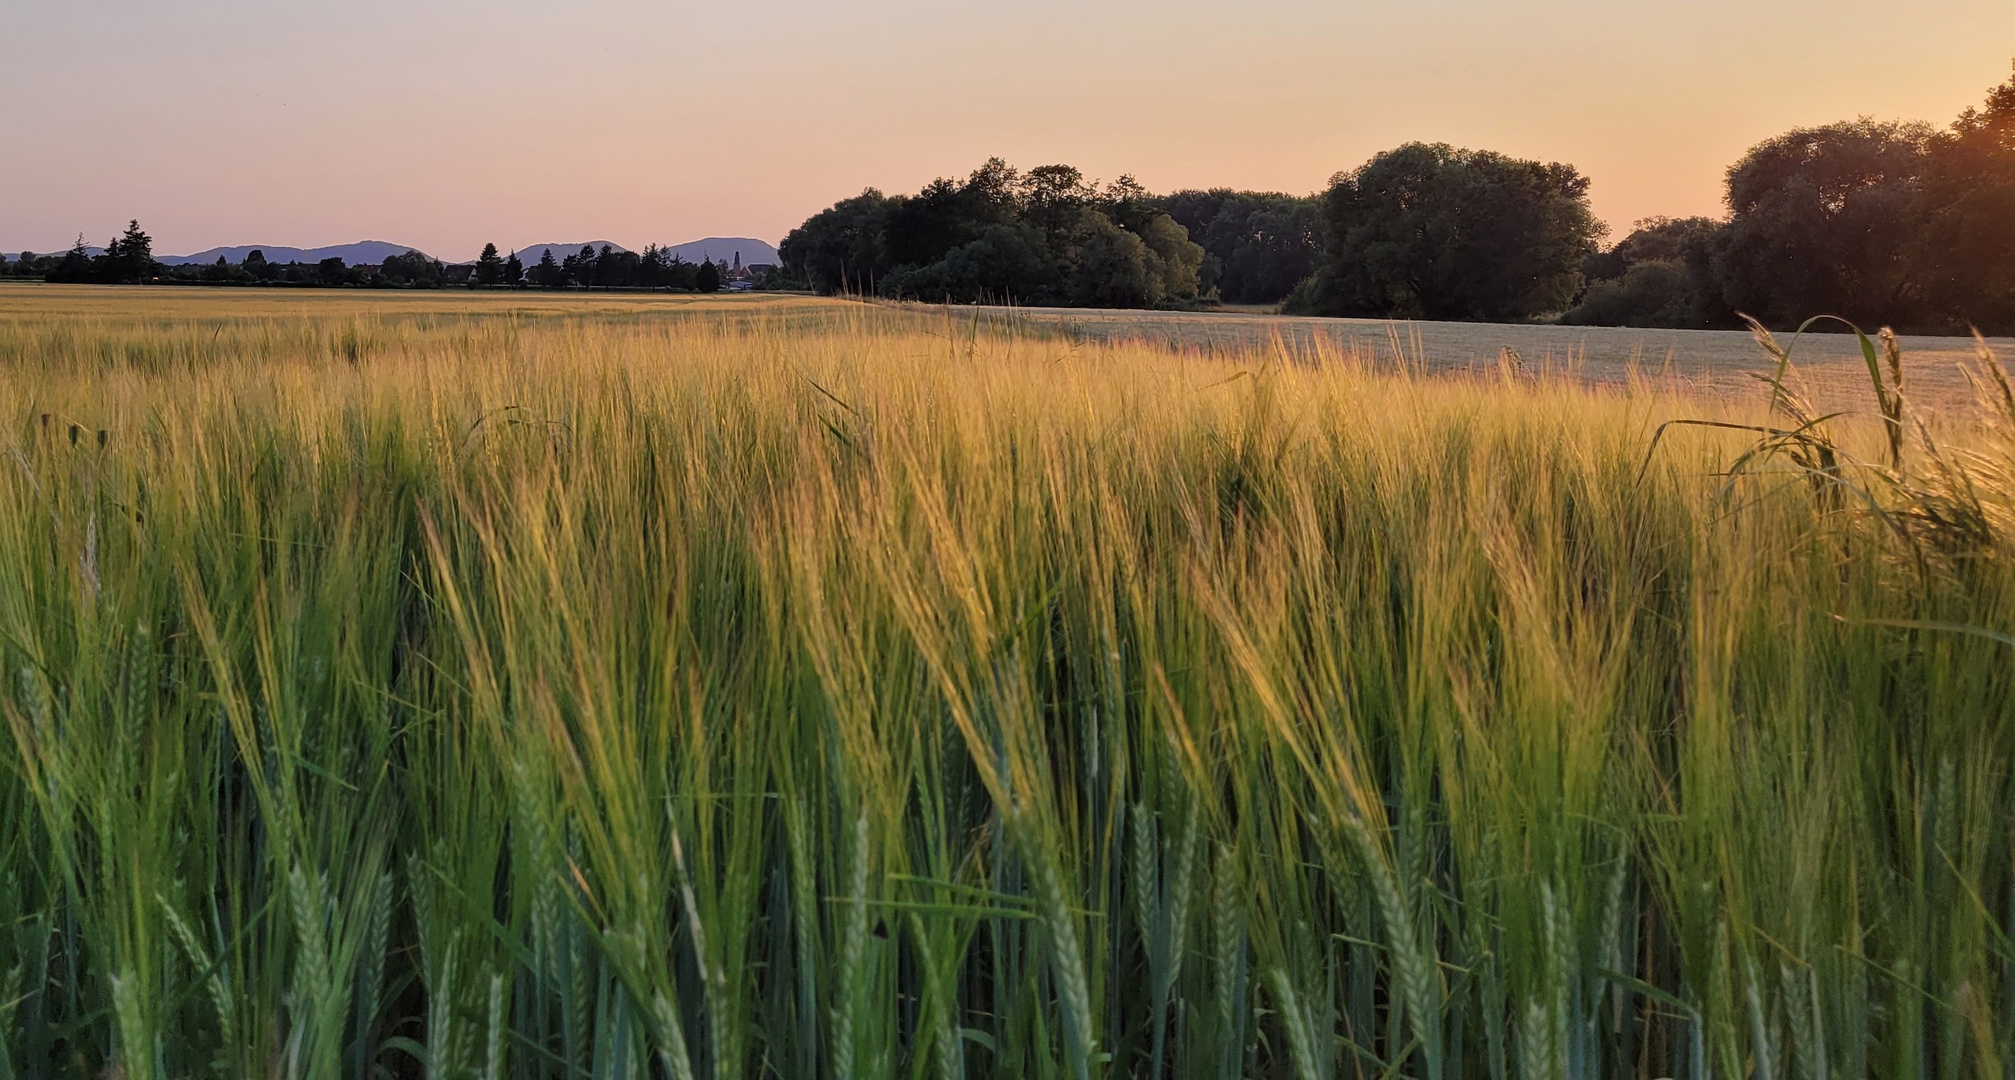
(946, 214)
(1431, 231)
(841, 248)
(411, 269)
(1821, 221)
(1882, 223)
(1966, 248)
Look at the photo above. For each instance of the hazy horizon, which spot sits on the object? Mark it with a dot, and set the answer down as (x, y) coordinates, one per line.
(444, 127)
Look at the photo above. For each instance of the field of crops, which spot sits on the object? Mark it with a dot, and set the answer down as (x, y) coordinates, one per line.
(638, 687)
(1714, 363)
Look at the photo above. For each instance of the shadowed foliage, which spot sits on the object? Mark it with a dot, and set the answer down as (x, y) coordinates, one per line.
(1433, 232)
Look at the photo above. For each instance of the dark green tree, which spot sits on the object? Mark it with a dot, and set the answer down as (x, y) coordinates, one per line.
(1651, 239)
(1053, 198)
(1105, 265)
(332, 271)
(129, 258)
(1965, 252)
(489, 266)
(1435, 232)
(840, 249)
(680, 274)
(579, 268)
(614, 269)
(1044, 236)
(651, 267)
(1821, 221)
(514, 271)
(75, 265)
(222, 272)
(1004, 264)
(1259, 244)
(411, 269)
(547, 274)
(947, 213)
(708, 279)
(1661, 274)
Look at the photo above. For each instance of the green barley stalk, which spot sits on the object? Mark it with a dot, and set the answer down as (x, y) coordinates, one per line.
(726, 1040)
(853, 940)
(493, 1049)
(199, 958)
(1230, 964)
(947, 1047)
(376, 946)
(1301, 1041)
(1763, 1049)
(1413, 970)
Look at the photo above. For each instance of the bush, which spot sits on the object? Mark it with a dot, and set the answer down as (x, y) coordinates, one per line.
(1656, 292)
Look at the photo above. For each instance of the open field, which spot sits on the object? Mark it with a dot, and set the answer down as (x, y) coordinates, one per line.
(620, 687)
(1710, 362)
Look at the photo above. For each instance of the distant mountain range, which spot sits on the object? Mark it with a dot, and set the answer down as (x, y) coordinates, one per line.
(719, 248)
(725, 248)
(91, 251)
(373, 252)
(529, 254)
(364, 252)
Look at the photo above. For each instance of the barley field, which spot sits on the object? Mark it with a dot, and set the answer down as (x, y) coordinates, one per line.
(1713, 363)
(500, 687)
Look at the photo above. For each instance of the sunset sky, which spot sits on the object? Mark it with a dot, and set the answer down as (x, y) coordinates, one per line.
(446, 124)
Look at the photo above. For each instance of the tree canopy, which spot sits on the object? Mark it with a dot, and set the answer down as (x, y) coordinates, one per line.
(1046, 236)
(1431, 231)
(1258, 245)
(1661, 274)
(1965, 250)
(1881, 223)
(1819, 219)
(489, 266)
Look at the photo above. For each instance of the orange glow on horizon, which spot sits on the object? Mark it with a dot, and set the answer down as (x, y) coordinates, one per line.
(454, 123)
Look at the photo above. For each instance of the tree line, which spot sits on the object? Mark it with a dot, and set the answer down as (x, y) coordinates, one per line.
(1050, 236)
(128, 259)
(1902, 224)
(1045, 236)
(1899, 224)
(1884, 223)
(652, 268)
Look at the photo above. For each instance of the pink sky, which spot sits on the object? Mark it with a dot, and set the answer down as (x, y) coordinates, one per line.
(450, 123)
